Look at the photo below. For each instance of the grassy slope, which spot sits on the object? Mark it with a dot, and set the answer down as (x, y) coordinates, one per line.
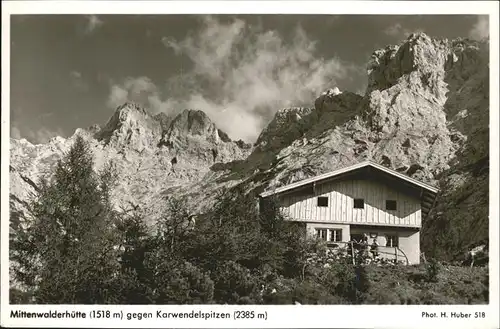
(408, 285)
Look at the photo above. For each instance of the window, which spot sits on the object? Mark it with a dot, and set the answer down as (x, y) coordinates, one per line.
(392, 241)
(391, 205)
(321, 233)
(322, 201)
(330, 235)
(335, 235)
(359, 203)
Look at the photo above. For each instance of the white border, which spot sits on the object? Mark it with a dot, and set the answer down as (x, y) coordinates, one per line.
(278, 316)
(251, 7)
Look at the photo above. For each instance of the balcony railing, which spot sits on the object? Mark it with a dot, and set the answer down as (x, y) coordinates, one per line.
(354, 248)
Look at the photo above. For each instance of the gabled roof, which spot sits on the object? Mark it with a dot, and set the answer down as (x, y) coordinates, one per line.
(348, 169)
(428, 193)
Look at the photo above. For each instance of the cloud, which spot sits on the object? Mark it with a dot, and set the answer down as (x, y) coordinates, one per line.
(241, 74)
(45, 115)
(117, 96)
(103, 77)
(78, 82)
(76, 74)
(15, 132)
(398, 31)
(480, 30)
(42, 135)
(141, 90)
(394, 30)
(93, 22)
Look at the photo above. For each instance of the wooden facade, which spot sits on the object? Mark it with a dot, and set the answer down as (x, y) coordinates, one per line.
(340, 196)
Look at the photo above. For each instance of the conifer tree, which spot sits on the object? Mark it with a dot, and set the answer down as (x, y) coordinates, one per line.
(135, 244)
(67, 251)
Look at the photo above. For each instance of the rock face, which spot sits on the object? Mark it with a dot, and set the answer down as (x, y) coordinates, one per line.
(425, 113)
(131, 127)
(152, 155)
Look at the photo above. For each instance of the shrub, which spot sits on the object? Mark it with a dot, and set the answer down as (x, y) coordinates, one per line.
(341, 278)
(293, 291)
(175, 281)
(362, 283)
(432, 270)
(134, 244)
(430, 297)
(18, 296)
(230, 232)
(235, 284)
(309, 292)
(174, 228)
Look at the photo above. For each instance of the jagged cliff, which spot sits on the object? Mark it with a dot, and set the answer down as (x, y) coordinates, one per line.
(152, 156)
(424, 113)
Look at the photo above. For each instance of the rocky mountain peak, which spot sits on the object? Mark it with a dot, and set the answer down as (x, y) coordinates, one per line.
(131, 126)
(193, 125)
(164, 120)
(331, 109)
(127, 114)
(131, 107)
(403, 120)
(419, 54)
(193, 122)
(287, 125)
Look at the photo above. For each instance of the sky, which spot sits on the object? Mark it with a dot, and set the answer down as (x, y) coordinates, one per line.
(72, 71)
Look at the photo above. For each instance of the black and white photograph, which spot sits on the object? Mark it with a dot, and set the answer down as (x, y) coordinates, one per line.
(248, 159)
